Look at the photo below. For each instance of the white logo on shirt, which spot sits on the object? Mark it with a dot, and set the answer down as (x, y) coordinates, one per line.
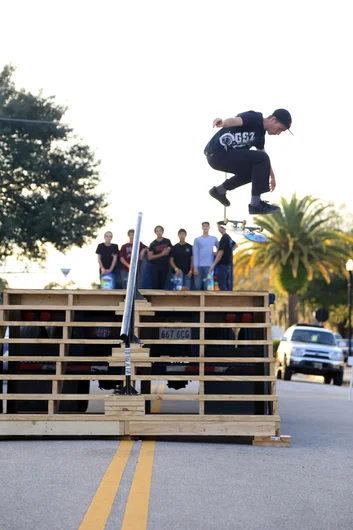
(237, 140)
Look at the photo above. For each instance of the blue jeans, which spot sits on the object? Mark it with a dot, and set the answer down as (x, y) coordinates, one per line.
(186, 281)
(145, 274)
(199, 283)
(225, 277)
(124, 277)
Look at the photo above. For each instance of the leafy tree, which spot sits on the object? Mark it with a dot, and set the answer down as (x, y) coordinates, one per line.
(49, 179)
(302, 239)
(333, 297)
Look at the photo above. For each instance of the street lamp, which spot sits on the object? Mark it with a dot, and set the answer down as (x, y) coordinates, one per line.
(349, 267)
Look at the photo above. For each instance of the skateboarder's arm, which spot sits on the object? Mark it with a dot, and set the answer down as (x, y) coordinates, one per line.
(217, 259)
(115, 259)
(101, 268)
(124, 262)
(195, 253)
(172, 264)
(152, 256)
(228, 122)
(191, 266)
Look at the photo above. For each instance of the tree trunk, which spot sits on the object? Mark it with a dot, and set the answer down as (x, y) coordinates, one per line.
(292, 308)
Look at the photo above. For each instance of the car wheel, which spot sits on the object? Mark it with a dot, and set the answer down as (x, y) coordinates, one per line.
(327, 378)
(287, 374)
(338, 379)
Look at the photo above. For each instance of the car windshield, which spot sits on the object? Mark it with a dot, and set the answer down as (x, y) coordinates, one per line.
(316, 337)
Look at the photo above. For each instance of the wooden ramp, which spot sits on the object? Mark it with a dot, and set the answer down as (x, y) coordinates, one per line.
(217, 343)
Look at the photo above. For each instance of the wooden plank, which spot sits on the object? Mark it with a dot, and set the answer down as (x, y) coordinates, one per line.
(62, 428)
(146, 397)
(201, 325)
(230, 342)
(48, 307)
(148, 418)
(59, 341)
(212, 418)
(145, 292)
(272, 441)
(162, 359)
(135, 428)
(102, 308)
(52, 377)
(61, 323)
(54, 417)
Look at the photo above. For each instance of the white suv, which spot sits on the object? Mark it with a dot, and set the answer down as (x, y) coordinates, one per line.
(310, 350)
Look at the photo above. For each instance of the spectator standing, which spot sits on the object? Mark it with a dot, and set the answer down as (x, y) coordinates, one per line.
(158, 254)
(203, 253)
(108, 254)
(224, 260)
(125, 257)
(181, 259)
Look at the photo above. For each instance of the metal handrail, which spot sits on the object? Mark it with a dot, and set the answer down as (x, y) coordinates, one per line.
(131, 283)
(127, 327)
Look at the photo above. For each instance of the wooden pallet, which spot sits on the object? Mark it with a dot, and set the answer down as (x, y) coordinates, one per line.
(199, 334)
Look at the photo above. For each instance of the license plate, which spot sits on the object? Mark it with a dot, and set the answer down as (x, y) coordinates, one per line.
(175, 333)
(318, 366)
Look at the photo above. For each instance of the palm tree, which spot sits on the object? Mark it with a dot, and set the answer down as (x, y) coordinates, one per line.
(302, 239)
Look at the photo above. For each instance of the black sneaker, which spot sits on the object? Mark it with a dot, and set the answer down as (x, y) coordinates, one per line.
(219, 197)
(263, 208)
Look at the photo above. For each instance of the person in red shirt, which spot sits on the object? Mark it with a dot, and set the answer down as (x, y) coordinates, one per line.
(125, 257)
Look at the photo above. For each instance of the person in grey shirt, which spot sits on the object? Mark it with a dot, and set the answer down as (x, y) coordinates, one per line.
(203, 252)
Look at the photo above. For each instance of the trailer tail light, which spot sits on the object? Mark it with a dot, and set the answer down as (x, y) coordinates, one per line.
(247, 318)
(28, 316)
(45, 316)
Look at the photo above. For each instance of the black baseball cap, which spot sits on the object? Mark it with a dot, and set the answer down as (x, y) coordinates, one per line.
(283, 116)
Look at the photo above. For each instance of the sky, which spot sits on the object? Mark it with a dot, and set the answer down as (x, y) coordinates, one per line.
(143, 82)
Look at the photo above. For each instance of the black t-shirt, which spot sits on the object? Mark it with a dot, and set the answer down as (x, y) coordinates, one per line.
(226, 243)
(107, 254)
(250, 134)
(182, 256)
(157, 247)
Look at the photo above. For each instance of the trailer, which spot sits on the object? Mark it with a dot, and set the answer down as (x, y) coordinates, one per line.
(213, 350)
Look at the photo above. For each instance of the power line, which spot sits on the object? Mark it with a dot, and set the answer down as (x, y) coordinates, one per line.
(24, 120)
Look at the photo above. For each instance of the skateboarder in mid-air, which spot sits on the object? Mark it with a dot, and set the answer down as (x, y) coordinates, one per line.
(229, 151)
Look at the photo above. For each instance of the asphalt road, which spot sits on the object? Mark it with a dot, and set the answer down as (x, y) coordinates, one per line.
(75, 484)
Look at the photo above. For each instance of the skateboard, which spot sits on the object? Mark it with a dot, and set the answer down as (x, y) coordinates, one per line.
(107, 282)
(249, 232)
(177, 282)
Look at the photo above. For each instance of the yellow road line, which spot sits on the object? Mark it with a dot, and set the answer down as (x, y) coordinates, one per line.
(136, 512)
(157, 403)
(99, 510)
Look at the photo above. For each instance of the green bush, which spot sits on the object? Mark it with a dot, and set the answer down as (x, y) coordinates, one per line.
(275, 346)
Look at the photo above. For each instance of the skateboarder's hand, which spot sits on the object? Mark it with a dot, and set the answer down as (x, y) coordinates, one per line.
(166, 251)
(272, 182)
(218, 122)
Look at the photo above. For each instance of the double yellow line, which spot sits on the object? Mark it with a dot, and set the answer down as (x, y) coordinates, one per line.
(136, 510)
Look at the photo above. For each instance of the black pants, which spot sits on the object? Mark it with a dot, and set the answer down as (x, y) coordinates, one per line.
(247, 166)
(159, 277)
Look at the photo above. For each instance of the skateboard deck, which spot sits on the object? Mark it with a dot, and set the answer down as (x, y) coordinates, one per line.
(177, 282)
(249, 232)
